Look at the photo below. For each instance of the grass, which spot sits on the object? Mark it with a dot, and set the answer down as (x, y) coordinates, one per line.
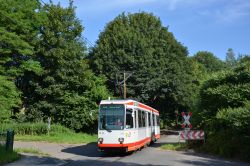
(39, 132)
(70, 138)
(8, 156)
(32, 151)
(175, 147)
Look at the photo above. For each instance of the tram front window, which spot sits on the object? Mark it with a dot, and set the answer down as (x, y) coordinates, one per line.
(111, 117)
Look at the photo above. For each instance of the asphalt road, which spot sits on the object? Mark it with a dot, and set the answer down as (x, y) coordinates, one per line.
(81, 155)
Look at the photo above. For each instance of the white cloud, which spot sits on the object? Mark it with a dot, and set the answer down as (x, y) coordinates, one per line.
(222, 10)
(234, 10)
(107, 5)
(227, 11)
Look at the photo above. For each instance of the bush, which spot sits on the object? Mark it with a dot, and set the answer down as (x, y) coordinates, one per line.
(228, 145)
(225, 115)
(34, 128)
(236, 119)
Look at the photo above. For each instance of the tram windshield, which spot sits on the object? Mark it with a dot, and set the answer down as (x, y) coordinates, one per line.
(111, 117)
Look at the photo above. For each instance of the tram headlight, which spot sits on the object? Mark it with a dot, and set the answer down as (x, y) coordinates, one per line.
(100, 140)
(121, 140)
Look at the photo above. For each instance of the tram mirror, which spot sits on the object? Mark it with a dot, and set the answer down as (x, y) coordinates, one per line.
(133, 114)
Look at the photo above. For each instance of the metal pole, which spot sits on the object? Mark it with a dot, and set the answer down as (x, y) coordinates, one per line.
(124, 85)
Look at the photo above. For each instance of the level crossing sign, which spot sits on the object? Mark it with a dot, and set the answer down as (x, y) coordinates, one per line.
(187, 133)
(186, 120)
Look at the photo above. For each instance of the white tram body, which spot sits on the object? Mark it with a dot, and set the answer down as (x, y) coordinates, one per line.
(127, 125)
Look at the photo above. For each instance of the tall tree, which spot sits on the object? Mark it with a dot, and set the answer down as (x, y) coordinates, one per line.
(19, 24)
(9, 98)
(209, 61)
(230, 58)
(139, 44)
(67, 90)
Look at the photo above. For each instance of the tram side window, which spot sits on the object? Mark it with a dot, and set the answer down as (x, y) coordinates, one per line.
(143, 118)
(153, 116)
(148, 114)
(135, 117)
(129, 119)
(149, 122)
(157, 120)
(139, 118)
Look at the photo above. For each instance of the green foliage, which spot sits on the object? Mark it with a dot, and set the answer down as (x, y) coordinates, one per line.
(70, 138)
(225, 103)
(34, 128)
(210, 62)
(175, 147)
(9, 98)
(226, 89)
(8, 156)
(39, 132)
(65, 89)
(18, 34)
(236, 119)
(31, 151)
(138, 43)
(227, 144)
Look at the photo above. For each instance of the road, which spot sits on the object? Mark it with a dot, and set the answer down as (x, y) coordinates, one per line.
(81, 155)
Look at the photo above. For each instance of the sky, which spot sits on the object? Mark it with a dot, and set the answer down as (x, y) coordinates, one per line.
(200, 25)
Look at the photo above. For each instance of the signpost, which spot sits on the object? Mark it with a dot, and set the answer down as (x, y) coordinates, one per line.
(187, 133)
(49, 123)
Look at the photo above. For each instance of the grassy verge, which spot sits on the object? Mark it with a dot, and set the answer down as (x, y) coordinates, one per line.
(175, 147)
(8, 156)
(39, 132)
(72, 138)
(32, 151)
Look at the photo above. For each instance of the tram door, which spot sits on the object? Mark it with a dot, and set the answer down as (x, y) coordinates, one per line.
(135, 116)
(148, 125)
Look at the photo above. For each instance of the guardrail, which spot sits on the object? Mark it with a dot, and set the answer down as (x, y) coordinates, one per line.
(7, 140)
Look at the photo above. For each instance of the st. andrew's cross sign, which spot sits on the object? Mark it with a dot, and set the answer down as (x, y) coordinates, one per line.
(187, 133)
(186, 120)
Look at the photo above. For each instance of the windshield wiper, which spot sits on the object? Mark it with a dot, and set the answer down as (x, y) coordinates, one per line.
(105, 128)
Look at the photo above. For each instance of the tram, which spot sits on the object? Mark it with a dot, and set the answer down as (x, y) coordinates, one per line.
(126, 125)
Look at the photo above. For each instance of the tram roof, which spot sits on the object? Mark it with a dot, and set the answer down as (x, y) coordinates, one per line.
(129, 102)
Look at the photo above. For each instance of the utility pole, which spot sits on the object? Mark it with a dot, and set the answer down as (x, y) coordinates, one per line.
(124, 85)
(125, 77)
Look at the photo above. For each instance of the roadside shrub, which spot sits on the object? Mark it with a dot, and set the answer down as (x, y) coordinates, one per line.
(225, 113)
(236, 119)
(227, 144)
(7, 156)
(34, 128)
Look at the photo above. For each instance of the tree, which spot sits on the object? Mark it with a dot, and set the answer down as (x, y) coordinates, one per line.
(9, 98)
(230, 58)
(18, 35)
(138, 43)
(67, 90)
(224, 113)
(226, 89)
(19, 23)
(209, 61)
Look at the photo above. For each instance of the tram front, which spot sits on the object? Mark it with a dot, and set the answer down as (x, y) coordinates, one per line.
(111, 126)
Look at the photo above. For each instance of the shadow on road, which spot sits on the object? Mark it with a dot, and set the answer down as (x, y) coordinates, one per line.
(88, 150)
(91, 150)
(107, 163)
(28, 159)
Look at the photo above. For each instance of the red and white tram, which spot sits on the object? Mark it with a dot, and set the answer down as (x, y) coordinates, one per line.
(127, 125)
